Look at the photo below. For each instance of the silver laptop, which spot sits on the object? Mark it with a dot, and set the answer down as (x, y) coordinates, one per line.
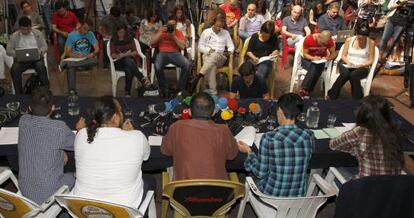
(27, 54)
(343, 35)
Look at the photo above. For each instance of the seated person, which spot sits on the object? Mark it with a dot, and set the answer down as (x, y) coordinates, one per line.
(250, 23)
(26, 38)
(212, 44)
(124, 52)
(148, 28)
(248, 84)
(284, 154)
(183, 23)
(316, 47)
(375, 141)
(107, 29)
(316, 11)
(232, 11)
(170, 41)
(261, 44)
(357, 57)
(194, 158)
(79, 45)
(109, 153)
(26, 10)
(64, 21)
(295, 27)
(4, 59)
(42, 145)
(331, 21)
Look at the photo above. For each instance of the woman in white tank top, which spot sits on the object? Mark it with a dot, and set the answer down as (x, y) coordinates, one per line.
(357, 56)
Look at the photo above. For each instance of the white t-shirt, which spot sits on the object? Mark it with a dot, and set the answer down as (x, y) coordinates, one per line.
(110, 167)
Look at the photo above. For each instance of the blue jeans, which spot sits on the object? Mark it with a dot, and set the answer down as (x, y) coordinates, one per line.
(390, 30)
(264, 69)
(73, 66)
(61, 43)
(47, 16)
(176, 58)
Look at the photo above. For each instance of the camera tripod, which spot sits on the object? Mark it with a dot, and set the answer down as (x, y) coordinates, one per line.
(408, 31)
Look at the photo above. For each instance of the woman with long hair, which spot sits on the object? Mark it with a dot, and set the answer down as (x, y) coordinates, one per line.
(183, 24)
(149, 26)
(109, 153)
(315, 12)
(375, 141)
(124, 52)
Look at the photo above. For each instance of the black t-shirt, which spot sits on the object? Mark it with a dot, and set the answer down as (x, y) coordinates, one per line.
(256, 90)
(261, 49)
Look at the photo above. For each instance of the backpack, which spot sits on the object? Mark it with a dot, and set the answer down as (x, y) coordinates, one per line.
(32, 83)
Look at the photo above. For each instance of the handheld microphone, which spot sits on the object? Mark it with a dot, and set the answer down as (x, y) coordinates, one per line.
(185, 115)
(255, 108)
(222, 103)
(187, 100)
(232, 104)
(226, 114)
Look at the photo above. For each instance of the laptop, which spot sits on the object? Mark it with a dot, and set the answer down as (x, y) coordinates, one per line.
(27, 54)
(343, 35)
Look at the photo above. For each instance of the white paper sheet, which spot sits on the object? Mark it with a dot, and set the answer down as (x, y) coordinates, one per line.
(257, 139)
(320, 134)
(266, 58)
(319, 61)
(155, 140)
(9, 135)
(349, 126)
(246, 135)
(331, 132)
(74, 59)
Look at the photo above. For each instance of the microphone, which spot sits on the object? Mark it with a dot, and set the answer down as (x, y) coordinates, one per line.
(185, 115)
(156, 108)
(242, 110)
(226, 114)
(187, 100)
(232, 104)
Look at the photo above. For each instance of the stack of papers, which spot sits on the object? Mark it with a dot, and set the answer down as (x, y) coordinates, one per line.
(155, 140)
(329, 133)
(9, 135)
(246, 135)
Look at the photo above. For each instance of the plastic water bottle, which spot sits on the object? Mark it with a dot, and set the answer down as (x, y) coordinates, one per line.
(312, 116)
(73, 103)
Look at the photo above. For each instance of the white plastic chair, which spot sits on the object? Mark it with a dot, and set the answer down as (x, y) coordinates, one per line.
(80, 207)
(298, 73)
(15, 205)
(287, 207)
(334, 175)
(32, 71)
(365, 83)
(117, 74)
(191, 50)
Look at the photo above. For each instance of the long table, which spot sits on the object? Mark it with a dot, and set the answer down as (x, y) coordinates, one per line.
(322, 156)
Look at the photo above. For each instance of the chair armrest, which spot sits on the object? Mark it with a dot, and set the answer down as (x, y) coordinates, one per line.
(165, 179)
(253, 187)
(336, 174)
(5, 174)
(325, 186)
(233, 177)
(51, 200)
(149, 198)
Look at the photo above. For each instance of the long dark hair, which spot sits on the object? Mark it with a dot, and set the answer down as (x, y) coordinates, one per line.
(375, 115)
(183, 17)
(120, 26)
(103, 110)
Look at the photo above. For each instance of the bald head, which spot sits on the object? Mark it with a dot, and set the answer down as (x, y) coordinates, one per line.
(296, 12)
(324, 37)
(251, 10)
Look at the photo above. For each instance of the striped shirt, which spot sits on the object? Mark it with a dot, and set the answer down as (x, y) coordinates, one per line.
(371, 162)
(41, 145)
(280, 166)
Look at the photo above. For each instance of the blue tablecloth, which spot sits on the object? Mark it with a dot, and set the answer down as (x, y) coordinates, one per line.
(322, 157)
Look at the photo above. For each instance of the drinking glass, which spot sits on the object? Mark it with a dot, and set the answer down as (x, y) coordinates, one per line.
(331, 121)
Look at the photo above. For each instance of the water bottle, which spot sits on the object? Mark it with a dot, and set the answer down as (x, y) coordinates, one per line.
(73, 103)
(312, 116)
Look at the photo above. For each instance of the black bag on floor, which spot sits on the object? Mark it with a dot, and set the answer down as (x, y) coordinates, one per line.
(32, 83)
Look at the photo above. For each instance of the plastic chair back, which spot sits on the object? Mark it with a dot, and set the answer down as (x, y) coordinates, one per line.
(14, 205)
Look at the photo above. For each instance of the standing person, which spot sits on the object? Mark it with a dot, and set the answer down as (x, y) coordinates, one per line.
(279, 168)
(357, 57)
(42, 147)
(261, 44)
(124, 52)
(194, 158)
(316, 47)
(375, 141)
(26, 10)
(170, 41)
(250, 23)
(212, 44)
(295, 26)
(63, 22)
(78, 7)
(26, 38)
(394, 26)
(109, 153)
(46, 12)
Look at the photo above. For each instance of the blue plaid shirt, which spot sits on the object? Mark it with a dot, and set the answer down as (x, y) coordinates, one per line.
(280, 167)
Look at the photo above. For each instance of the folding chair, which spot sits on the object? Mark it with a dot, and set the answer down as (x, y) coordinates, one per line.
(80, 207)
(32, 71)
(201, 197)
(287, 207)
(365, 83)
(117, 74)
(15, 205)
(298, 73)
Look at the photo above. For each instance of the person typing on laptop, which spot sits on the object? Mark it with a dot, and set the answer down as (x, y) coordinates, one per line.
(27, 46)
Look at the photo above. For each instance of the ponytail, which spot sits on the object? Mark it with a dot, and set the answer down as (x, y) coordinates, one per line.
(103, 110)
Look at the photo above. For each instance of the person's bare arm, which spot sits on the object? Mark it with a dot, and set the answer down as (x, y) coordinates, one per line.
(307, 56)
(252, 56)
(288, 34)
(408, 164)
(180, 43)
(332, 54)
(312, 18)
(55, 29)
(157, 36)
(307, 31)
(344, 56)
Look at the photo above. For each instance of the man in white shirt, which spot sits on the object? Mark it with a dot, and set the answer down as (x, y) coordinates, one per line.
(109, 155)
(212, 44)
(251, 22)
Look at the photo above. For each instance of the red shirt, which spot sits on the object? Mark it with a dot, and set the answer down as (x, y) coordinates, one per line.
(316, 49)
(167, 44)
(66, 23)
(231, 13)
